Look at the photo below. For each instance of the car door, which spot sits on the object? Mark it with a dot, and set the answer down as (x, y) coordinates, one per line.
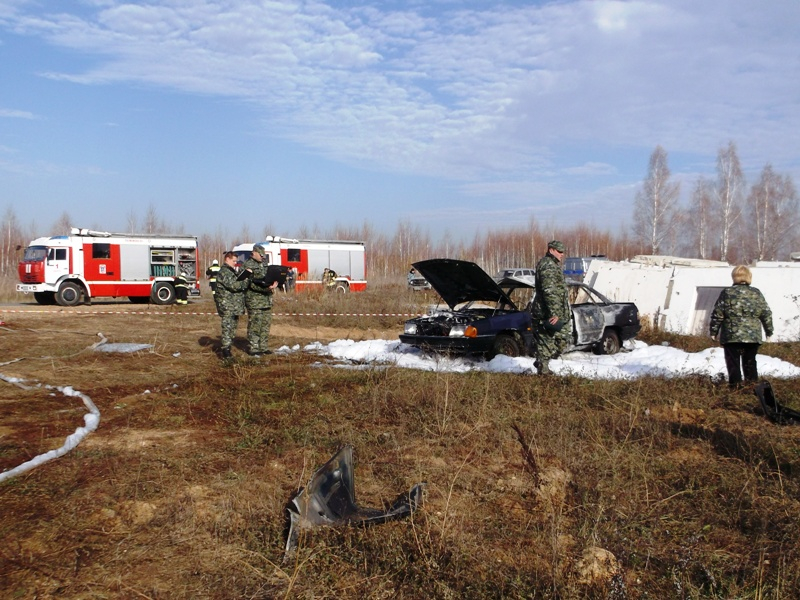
(587, 315)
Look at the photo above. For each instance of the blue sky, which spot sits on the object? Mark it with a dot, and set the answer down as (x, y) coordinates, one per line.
(452, 116)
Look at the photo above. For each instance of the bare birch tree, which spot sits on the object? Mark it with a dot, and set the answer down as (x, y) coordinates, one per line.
(12, 237)
(153, 224)
(131, 221)
(772, 207)
(700, 218)
(728, 195)
(656, 208)
(63, 225)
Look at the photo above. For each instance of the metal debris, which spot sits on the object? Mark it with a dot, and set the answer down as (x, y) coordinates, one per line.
(329, 499)
(774, 411)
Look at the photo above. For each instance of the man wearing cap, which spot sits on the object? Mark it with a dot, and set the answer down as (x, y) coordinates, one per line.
(551, 313)
(258, 301)
(230, 301)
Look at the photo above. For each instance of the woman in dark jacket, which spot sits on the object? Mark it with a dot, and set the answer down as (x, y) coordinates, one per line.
(739, 314)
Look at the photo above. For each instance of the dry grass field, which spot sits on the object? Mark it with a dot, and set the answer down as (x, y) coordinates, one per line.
(536, 487)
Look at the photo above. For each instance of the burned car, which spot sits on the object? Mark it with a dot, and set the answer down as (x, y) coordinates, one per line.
(480, 319)
(598, 324)
(489, 317)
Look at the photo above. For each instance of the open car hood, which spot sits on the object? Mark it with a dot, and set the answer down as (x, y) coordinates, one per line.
(459, 281)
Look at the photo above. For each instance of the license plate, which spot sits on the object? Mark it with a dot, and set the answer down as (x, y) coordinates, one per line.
(26, 288)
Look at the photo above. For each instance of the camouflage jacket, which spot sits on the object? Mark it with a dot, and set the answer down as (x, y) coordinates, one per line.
(257, 296)
(739, 314)
(230, 291)
(552, 297)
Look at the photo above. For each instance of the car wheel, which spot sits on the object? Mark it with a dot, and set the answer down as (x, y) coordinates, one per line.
(608, 344)
(162, 293)
(507, 345)
(69, 294)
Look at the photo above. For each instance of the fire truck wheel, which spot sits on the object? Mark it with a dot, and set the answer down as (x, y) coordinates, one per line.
(342, 288)
(163, 293)
(69, 294)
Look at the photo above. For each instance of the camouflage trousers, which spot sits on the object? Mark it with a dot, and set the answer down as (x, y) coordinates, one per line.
(229, 324)
(259, 321)
(216, 303)
(548, 346)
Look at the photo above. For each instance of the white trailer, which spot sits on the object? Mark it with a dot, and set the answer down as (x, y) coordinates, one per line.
(678, 294)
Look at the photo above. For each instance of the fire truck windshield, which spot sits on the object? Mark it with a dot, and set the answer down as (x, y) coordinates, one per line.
(35, 253)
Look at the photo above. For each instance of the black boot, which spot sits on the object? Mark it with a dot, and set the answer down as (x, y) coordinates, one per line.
(226, 353)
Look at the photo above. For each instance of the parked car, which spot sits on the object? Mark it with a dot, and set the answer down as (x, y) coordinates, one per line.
(417, 282)
(575, 266)
(487, 317)
(515, 272)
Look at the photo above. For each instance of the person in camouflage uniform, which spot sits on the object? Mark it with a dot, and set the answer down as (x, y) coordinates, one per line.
(229, 297)
(258, 301)
(738, 316)
(551, 313)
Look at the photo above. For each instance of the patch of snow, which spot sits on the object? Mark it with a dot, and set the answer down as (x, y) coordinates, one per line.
(636, 360)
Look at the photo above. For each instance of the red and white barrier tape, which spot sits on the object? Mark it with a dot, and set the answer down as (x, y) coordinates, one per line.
(65, 311)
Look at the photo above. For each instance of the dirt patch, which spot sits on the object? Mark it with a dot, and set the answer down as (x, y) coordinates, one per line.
(181, 492)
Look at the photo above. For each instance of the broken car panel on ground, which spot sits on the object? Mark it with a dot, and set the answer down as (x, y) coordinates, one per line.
(774, 411)
(329, 499)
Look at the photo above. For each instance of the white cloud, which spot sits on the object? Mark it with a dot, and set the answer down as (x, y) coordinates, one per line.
(489, 96)
(16, 114)
(591, 168)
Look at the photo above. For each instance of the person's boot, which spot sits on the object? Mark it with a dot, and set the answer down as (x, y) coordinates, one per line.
(543, 367)
(226, 353)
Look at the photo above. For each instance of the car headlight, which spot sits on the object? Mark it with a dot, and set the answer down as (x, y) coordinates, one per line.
(410, 329)
(457, 330)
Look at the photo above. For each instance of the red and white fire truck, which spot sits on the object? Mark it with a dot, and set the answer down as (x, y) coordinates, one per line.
(309, 259)
(69, 269)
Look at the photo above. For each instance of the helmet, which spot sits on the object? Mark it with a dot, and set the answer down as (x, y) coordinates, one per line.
(260, 249)
(215, 262)
(183, 274)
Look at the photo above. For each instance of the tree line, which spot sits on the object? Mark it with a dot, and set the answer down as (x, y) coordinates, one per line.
(723, 221)
(389, 255)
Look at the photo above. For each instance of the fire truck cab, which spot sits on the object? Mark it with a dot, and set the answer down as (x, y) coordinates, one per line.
(69, 269)
(309, 258)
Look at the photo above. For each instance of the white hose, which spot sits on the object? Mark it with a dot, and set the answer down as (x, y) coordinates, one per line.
(91, 421)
